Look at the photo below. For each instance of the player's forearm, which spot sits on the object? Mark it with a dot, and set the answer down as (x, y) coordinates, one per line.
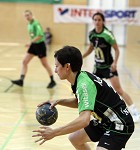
(117, 52)
(116, 56)
(77, 124)
(90, 49)
(68, 102)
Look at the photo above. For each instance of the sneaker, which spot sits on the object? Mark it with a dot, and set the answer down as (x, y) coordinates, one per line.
(51, 84)
(18, 82)
(136, 118)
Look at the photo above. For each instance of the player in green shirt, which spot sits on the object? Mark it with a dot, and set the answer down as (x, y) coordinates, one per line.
(36, 47)
(103, 115)
(102, 41)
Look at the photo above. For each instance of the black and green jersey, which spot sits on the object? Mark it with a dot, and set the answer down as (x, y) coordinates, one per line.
(107, 108)
(35, 29)
(102, 43)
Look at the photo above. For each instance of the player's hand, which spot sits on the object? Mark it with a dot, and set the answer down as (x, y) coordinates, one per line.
(43, 103)
(45, 134)
(28, 45)
(53, 103)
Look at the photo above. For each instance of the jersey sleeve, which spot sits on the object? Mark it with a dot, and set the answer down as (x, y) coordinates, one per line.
(90, 36)
(86, 94)
(112, 39)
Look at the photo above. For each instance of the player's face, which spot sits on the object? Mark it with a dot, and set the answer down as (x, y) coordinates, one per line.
(62, 71)
(98, 22)
(28, 16)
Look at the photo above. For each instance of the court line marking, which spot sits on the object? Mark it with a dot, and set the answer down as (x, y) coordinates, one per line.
(13, 131)
(7, 69)
(9, 44)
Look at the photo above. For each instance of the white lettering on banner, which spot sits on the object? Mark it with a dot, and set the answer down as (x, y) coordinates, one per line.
(83, 14)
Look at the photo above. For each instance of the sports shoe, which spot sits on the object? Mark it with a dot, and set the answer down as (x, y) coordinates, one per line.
(17, 82)
(51, 84)
(136, 117)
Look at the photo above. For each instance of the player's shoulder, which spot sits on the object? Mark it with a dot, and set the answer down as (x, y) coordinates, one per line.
(35, 22)
(92, 33)
(108, 32)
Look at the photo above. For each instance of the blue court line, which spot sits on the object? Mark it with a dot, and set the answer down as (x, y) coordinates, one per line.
(13, 131)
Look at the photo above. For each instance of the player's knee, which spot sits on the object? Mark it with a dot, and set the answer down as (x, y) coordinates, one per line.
(119, 91)
(73, 139)
(24, 62)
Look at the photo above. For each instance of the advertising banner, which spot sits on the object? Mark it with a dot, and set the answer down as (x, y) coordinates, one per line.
(83, 14)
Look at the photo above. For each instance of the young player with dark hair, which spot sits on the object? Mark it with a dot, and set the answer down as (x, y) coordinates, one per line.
(103, 115)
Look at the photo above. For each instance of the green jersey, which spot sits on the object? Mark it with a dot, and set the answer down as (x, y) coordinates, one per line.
(102, 43)
(105, 104)
(35, 29)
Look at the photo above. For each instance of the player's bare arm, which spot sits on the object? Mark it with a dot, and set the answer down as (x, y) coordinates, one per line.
(89, 50)
(47, 133)
(114, 64)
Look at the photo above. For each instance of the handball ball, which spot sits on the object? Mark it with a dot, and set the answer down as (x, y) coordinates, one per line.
(45, 115)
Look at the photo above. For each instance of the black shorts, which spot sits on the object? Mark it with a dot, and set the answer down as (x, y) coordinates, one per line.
(104, 73)
(107, 139)
(38, 49)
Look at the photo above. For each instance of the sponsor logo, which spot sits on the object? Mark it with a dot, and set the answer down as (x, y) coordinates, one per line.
(63, 11)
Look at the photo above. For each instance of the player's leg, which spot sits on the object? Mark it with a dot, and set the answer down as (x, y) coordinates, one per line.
(117, 86)
(49, 70)
(24, 68)
(79, 140)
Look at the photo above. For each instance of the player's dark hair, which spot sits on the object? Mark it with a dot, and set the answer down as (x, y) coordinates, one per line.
(71, 55)
(99, 14)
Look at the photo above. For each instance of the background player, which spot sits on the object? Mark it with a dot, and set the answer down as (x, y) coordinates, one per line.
(102, 40)
(35, 48)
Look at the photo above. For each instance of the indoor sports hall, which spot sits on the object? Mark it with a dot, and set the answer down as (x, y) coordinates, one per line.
(19, 104)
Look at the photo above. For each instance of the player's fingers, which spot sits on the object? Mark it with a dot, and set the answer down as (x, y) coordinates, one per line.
(40, 131)
(39, 140)
(42, 142)
(35, 135)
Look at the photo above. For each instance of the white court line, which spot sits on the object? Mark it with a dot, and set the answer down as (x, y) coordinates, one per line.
(7, 69)
(9, 44)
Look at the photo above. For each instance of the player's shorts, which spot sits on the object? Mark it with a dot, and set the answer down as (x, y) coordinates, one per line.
(38, 49)
(104, 73)
(106, 139)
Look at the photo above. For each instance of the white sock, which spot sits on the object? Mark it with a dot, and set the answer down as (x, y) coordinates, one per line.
(133, 109)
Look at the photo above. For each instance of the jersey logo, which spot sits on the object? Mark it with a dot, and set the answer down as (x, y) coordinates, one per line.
(125, 111)
(98, 80)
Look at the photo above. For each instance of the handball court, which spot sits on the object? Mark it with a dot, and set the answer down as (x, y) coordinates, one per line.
(18, 105)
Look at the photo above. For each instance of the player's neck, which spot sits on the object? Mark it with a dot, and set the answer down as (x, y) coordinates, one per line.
(71, 78)
(99, 30)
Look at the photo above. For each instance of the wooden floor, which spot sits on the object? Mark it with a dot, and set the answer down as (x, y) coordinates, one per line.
(18, 105)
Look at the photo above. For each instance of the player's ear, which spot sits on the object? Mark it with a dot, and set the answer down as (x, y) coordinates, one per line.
(68, 65)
